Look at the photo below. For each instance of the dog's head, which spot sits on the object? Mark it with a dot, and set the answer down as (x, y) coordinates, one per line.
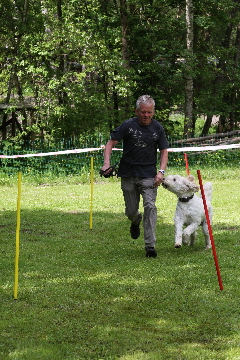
(179, 185)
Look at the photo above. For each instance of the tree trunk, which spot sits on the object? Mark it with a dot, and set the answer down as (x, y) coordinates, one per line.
(233, 121)
(226, 123)
(14, 80)
(188, 121)
(62, 95)
(207, 125)
(125, 47)
(124, 23)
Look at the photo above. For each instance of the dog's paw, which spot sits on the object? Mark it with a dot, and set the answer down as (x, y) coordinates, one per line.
(178, 246)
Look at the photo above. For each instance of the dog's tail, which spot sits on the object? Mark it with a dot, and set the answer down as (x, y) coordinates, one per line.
(207, 187)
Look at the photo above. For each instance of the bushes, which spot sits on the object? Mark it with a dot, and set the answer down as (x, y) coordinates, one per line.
(208, 158)
(76, 164)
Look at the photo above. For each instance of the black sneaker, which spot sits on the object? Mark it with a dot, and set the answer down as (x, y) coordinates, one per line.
(151, 252)
(135, 230)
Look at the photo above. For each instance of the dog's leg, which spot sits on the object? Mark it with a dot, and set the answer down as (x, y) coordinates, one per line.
(189, 233)
(178, 232)
(186, 239)
(206, 235)
(192, 238)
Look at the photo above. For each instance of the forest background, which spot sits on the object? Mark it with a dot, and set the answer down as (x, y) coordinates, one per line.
(72, 69)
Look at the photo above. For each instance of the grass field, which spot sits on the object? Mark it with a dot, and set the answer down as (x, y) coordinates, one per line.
(92, 294)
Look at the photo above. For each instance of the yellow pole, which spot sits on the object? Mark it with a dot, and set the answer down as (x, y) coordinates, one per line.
(17, 237)
(91, 193)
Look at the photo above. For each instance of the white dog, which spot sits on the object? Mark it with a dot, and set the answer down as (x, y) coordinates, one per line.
(190, 209)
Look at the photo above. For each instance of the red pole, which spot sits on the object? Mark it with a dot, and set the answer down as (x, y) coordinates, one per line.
(186, 161)
(210, 231)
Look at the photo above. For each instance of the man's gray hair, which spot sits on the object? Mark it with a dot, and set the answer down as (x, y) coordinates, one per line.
(145, 99)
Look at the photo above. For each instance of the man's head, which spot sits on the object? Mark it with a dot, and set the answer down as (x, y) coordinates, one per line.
(145, 109)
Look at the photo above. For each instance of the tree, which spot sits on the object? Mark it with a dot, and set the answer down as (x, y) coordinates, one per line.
(85, 63)
(217, 74)
(189, 115)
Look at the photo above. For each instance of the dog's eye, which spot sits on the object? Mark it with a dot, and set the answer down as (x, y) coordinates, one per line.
(174, 179)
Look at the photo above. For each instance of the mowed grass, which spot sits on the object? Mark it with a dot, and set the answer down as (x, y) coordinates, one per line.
(92, 294)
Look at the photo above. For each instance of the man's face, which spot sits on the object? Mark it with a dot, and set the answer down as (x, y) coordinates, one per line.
(145, 114)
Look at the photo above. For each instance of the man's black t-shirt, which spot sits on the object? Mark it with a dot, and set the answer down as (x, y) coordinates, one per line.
(140, 144)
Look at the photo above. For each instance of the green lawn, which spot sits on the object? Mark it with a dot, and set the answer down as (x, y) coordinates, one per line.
(92, 294)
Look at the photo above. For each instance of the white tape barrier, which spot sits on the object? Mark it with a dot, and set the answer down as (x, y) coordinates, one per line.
(77, 151)
(63, 152)
(205, 148)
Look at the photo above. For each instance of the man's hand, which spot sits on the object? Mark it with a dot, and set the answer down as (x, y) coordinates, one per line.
(105, 167)
(107, 172)
(158, 179)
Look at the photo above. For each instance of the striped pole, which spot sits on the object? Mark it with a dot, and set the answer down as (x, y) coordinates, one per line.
(186, 161)
(210, 230)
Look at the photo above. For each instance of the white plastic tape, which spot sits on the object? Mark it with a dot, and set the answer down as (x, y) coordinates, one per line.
(77, 151)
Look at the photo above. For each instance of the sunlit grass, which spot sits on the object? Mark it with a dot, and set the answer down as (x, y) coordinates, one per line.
(92, 294)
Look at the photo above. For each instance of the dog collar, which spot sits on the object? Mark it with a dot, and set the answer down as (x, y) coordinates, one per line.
(186, 199)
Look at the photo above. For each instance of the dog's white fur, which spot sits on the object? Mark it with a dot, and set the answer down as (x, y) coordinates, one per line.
(191, 213)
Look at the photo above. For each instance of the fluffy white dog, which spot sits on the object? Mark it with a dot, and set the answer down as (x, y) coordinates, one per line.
(190, 209)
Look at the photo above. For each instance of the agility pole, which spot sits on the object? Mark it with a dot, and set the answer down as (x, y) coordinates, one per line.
(17, 238)
(91, 193)
(186, 162)
(210, 230)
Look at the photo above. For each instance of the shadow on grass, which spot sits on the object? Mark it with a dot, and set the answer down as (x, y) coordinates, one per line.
(92, 294)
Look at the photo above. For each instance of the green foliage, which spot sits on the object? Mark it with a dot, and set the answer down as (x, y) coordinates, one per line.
(85, 64)
(173, 124)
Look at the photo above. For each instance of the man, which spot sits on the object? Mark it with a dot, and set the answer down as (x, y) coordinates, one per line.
(142, 136)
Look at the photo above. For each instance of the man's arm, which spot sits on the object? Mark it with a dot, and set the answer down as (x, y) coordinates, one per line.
(163, 165)
(108, 152)
(163, 159)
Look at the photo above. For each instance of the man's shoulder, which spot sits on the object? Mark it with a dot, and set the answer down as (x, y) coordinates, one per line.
(156, 124)
(123, 128)
(131, 121)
